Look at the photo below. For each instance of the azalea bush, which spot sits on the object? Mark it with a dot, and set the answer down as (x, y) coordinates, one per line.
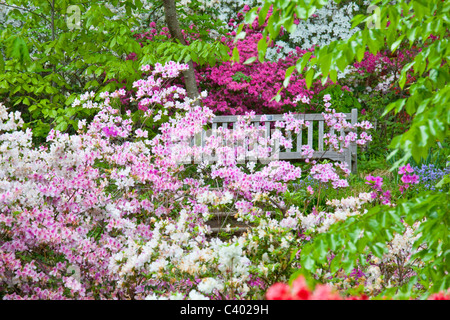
(123, 212)
(122, 204)
(403, 23)
(245, 83)
(109, 213)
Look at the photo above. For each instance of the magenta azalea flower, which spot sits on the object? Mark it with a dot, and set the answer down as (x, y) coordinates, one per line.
(405, 169)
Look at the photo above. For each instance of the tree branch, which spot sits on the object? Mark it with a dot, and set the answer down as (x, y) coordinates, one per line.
(175, 32)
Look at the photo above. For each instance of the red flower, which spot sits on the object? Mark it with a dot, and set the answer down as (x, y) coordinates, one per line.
(439, 296)
(361, 297)
(279, 291)
(324, 292)
(300, 290)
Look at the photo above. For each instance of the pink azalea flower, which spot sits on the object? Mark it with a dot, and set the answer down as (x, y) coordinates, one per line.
(326, 98)
(405, 169)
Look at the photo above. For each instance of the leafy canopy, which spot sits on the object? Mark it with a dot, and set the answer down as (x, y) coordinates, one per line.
(420, 23)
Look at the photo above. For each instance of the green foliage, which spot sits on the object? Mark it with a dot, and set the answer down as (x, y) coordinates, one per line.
(428, 100)
(239, 77)
(387, 127)
(403, 23)
(160, 51)
(195, 19)
(46, 64)
(371, 231)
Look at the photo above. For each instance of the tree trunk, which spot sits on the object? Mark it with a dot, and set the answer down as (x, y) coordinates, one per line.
(175, 32)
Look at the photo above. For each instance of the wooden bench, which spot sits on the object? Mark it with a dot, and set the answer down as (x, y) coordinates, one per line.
(316, 122)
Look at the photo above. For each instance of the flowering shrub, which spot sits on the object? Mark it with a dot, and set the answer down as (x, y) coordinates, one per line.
(327, 24)
(406, 178)
(122, 211)
(240, 87)
(236, 88)
(376, 183)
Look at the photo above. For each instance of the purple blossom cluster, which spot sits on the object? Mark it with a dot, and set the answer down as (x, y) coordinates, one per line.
(429, 175)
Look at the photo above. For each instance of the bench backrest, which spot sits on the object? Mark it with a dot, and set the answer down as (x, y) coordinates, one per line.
(316, 122)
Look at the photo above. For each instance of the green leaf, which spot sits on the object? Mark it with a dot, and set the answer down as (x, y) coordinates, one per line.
(333, 75)
(235, 56)
(309, 78)
(358, 19)
(360, 53)
(348, 265)
(397, 105)
(308, 263)
(445, 180)
(250, 60)
(325, 63)
(378, 249)
(262, 48)
(301, 62)
(397, 43)
(287, 76)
